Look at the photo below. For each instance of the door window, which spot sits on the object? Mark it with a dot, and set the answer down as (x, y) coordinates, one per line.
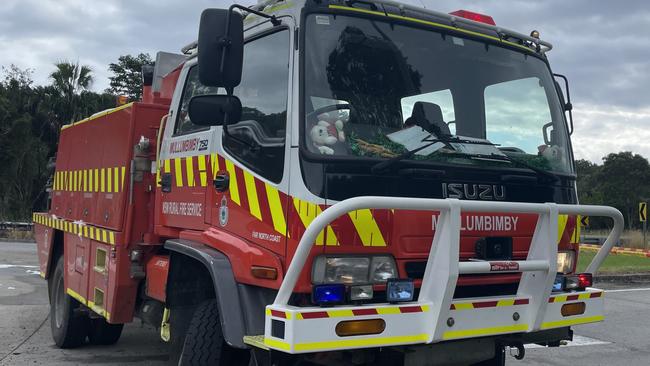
(258, 138)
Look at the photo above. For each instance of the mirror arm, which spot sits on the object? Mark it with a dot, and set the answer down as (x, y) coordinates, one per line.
(567, 106)
(275, 21)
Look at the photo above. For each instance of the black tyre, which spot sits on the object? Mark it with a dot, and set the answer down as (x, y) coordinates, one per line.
(498, 360)
(204, 343)
(69, 327)
(102, 333)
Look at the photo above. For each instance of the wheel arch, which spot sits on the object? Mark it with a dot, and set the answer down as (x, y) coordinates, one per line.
(188, 283)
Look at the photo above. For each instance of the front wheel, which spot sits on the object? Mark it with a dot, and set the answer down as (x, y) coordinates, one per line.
(69, 327)
(204, 343)
(104, 333)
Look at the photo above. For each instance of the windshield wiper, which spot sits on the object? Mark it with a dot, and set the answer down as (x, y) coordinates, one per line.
(383, 165)
(508, 159)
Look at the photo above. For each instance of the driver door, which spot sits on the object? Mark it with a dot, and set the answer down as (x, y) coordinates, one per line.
(251, 165)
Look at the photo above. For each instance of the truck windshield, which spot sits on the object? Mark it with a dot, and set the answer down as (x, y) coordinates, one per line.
(375, 89)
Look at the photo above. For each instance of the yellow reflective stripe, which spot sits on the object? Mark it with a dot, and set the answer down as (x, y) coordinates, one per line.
(92, 232)
(109, 180)
(340, 313)
(367, 228)
(98, 115)
(251, 193)
(464, 306)
(102, 180)
(568, 322)
(438, 25)
(575, 236)
(358, 10)
(214, 164)
(509, 302)
(168, 167)
(452, 334)
(363, 342)
(123, 173)
(104, 239)
(76, 296)
(86, 231)
(561, 298)
(561, 225)
(234, 188)
(277, 213)
(96, 180)
(116, 179)
(111, 237)
(276, 344)
(178, 171)
(388, 311)
(90, 180)
(203, 175)
(189, 167)
(307, 212)
(585, 296)
(84, 178)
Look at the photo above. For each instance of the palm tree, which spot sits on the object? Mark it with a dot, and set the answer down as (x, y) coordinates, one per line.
(70, 80)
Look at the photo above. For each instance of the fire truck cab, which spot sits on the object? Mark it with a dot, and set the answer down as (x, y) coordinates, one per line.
(328, 182)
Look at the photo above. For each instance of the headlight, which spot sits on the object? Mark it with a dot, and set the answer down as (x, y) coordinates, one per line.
(565, 262)
(353, 269)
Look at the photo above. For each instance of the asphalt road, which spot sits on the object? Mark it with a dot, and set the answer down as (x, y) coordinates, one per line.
(623, 339)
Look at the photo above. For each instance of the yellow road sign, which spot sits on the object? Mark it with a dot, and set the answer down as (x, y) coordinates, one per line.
(643, 211)
(584, 221)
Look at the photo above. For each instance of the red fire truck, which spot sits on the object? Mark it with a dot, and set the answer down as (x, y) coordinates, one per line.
(329, 182)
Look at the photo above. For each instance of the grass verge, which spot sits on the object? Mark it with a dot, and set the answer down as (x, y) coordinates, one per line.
(615, 263)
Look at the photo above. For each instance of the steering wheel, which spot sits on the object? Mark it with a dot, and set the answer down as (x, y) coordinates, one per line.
(328, 108)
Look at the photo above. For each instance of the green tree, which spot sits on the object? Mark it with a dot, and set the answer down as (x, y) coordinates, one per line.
(127, 75)
(70, 80)
(588, 183)
(23, 157)
(623, 183)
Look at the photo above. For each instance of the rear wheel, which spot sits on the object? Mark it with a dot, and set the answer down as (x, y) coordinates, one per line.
(498, 360)
(102, 333)
(204, 343)
(69, 327)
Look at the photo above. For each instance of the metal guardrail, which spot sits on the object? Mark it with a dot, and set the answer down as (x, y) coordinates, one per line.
(450, 209)
(19, 226)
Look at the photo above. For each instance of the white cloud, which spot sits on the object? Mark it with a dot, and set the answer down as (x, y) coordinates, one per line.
(601, 46)
(600, 130)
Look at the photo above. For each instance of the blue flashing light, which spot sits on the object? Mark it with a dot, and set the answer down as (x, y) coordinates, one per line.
(324, 295)
(399, 290)
(558, 284)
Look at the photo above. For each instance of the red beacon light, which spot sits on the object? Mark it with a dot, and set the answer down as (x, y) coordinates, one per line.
(481, 18)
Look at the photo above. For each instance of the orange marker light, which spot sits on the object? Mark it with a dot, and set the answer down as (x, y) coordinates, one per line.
(360, 327)
(575, 308)
(265, 273)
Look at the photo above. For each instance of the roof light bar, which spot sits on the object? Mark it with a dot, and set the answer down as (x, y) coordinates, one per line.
(481, 18)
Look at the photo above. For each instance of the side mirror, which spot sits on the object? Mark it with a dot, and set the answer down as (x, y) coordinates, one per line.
(221, 48)
(566, 102)
(214, 110)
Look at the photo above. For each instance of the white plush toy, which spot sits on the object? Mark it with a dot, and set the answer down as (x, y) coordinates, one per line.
(553, 154)
(323, 135)
(338, 122)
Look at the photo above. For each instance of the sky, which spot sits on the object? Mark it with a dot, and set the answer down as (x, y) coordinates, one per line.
(602, 46)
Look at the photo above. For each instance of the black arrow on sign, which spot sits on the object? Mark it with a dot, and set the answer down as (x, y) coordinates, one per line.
(642, 211)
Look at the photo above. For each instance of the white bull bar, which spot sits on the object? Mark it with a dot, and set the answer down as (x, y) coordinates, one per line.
(435, 316)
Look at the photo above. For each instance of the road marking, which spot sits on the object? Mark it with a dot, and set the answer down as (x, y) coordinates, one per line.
(628, 290)
(578, 341)
(5, 266)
